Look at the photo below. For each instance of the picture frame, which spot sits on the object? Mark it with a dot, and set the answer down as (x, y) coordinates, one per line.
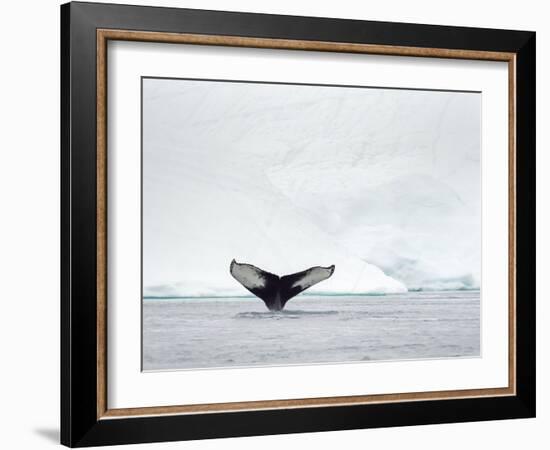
(86, 418)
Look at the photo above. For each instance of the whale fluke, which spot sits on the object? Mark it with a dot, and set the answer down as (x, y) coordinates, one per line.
(275, 291)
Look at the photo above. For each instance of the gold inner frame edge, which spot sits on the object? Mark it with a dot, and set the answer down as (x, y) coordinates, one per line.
(104, 35)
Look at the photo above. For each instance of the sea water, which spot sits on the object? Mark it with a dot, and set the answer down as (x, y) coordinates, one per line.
(193, 333)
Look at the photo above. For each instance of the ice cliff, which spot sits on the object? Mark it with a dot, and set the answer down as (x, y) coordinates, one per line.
(382, 183)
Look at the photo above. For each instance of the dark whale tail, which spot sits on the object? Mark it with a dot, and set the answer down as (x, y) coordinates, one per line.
(275, 291)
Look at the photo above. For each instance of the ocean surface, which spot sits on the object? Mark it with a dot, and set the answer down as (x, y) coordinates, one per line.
(192, 333)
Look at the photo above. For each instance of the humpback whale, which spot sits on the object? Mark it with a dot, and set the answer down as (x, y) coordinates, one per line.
(275, 291)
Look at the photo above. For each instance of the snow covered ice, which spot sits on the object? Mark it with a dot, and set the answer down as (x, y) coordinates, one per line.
(288, 177)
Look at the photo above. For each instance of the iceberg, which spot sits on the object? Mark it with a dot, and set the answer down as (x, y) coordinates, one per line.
(287, 177)
(192, 232)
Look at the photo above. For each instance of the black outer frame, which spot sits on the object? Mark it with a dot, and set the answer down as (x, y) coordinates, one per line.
(79, 424)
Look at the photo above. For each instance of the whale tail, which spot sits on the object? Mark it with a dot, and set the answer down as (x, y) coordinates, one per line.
(275, 291)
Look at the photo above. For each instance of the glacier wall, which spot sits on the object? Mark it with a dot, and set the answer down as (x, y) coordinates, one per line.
(382, 183)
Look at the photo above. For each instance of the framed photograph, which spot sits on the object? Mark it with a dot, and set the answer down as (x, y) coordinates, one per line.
(277, 224)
